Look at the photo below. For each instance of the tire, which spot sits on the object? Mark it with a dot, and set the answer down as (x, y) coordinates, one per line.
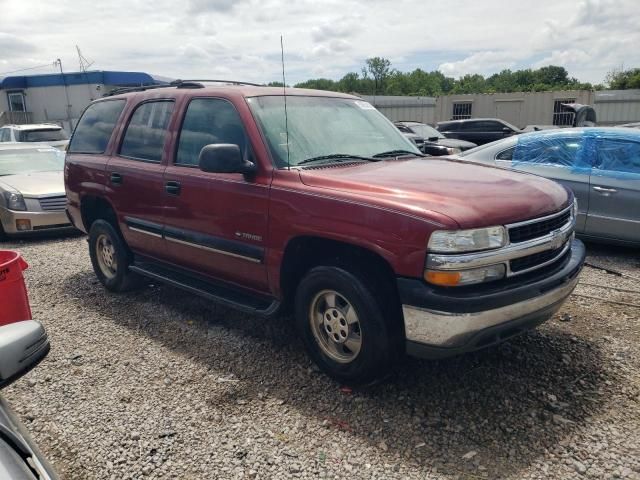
(111, 258)
(354, 350)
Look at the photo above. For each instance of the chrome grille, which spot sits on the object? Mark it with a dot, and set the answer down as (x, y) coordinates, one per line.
(536, 260)
(538, 227)
(53, 204)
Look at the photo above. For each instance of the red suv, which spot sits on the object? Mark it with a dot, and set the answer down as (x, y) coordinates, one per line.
(315, 202)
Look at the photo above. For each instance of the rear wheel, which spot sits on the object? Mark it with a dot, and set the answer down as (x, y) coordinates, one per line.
(110, 257)
(346, 328)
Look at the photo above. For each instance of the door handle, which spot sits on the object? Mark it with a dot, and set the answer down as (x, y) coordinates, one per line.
(116, 178)
(172, 188)
(605, 191)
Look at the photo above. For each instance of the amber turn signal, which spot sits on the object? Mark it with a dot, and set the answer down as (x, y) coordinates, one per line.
(445, 279)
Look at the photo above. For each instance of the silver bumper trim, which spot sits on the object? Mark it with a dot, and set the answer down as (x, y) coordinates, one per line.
(445, 329)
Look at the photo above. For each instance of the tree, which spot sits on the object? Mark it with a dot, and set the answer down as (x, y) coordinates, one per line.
(619, 79)
(379, 69)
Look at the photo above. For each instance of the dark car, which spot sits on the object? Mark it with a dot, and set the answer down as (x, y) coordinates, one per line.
(478, 130)
(431, 141)
(331, 214)
(22, 346)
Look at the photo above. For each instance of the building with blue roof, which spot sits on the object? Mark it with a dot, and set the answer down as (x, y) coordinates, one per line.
(61, 98)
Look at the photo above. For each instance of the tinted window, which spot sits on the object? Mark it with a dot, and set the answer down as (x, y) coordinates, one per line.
(506, 154)
(144, 138)
(618, 155)
(43, 135)
(448, 127)
(482, 126)
(207, 121)
(95, 127)
(4, 135)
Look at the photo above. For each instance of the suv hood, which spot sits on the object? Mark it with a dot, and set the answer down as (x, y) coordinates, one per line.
(34, 184)
(472, 195)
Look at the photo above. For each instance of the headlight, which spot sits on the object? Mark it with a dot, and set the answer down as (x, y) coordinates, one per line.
(453, 150)
(575, 207)
(14, 201)
(455, 241)
(465, 277)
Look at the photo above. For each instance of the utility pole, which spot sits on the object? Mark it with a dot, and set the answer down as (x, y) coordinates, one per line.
(84, 64)
(66, 92)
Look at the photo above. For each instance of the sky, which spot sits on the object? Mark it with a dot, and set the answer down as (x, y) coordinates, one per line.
(240, 39)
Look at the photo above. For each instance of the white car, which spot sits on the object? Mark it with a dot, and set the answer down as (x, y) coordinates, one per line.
(44, 133)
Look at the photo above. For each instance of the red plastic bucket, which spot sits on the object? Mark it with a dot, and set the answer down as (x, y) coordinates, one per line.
(14, 303)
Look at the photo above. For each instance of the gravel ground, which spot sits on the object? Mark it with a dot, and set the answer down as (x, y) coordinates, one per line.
(162, 384)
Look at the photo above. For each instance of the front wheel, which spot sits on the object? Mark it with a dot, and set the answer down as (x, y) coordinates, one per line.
(110, 257)
(344, 327)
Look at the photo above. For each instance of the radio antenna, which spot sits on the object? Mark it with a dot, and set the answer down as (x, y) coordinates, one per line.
(284, 92)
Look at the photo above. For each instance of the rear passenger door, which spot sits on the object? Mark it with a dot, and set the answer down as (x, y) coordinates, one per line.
(215, 223)
(614, 196)
(565, 159)
(135, 177)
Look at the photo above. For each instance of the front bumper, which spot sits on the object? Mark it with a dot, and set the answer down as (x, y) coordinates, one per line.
(444, 322)
(39, 221)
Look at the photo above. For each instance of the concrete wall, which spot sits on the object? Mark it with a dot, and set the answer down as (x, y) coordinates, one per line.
(614, 107)
(520, 108)
(397, 108)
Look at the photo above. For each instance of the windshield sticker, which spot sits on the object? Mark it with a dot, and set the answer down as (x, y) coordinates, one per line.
(364, 105)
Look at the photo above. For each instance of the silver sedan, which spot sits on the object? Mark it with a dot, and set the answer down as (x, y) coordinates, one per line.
(32, 196)
(600, 165)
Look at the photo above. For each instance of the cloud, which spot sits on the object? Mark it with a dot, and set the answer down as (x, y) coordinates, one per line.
(481, 62)
(205, 6)
(328, 37)
(12, 46)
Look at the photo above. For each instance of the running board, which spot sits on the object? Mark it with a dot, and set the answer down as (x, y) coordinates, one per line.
(229, 296)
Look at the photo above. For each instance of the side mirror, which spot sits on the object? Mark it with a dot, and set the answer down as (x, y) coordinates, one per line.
(22, 346)
(506, 130)
(224, 158)
(433, 139)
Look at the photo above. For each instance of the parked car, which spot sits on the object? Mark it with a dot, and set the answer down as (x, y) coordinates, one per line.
(22, 346)
(329, 212)
(600, 165)
(478, 130)
(433, 142)
(32, 197)
(44, 133)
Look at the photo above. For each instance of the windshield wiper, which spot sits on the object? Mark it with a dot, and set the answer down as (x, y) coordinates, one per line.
(336, 156)
(397, 153)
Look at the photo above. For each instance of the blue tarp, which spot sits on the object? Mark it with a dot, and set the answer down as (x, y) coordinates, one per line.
(120, 79)
(611, 149)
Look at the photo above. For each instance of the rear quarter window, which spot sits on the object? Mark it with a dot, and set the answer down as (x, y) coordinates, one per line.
(95, 127)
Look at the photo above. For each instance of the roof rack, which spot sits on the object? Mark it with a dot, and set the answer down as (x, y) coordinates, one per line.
(177, 84)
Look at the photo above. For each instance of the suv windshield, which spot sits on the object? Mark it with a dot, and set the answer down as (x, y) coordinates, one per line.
(325, 126)
(425, 131)
(42, 135)
(20, 161)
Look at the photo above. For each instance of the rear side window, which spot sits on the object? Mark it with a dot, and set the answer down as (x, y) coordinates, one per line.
(144, 138)
(94, 129)
(207, 121)
(618, 155)
(483, 126)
